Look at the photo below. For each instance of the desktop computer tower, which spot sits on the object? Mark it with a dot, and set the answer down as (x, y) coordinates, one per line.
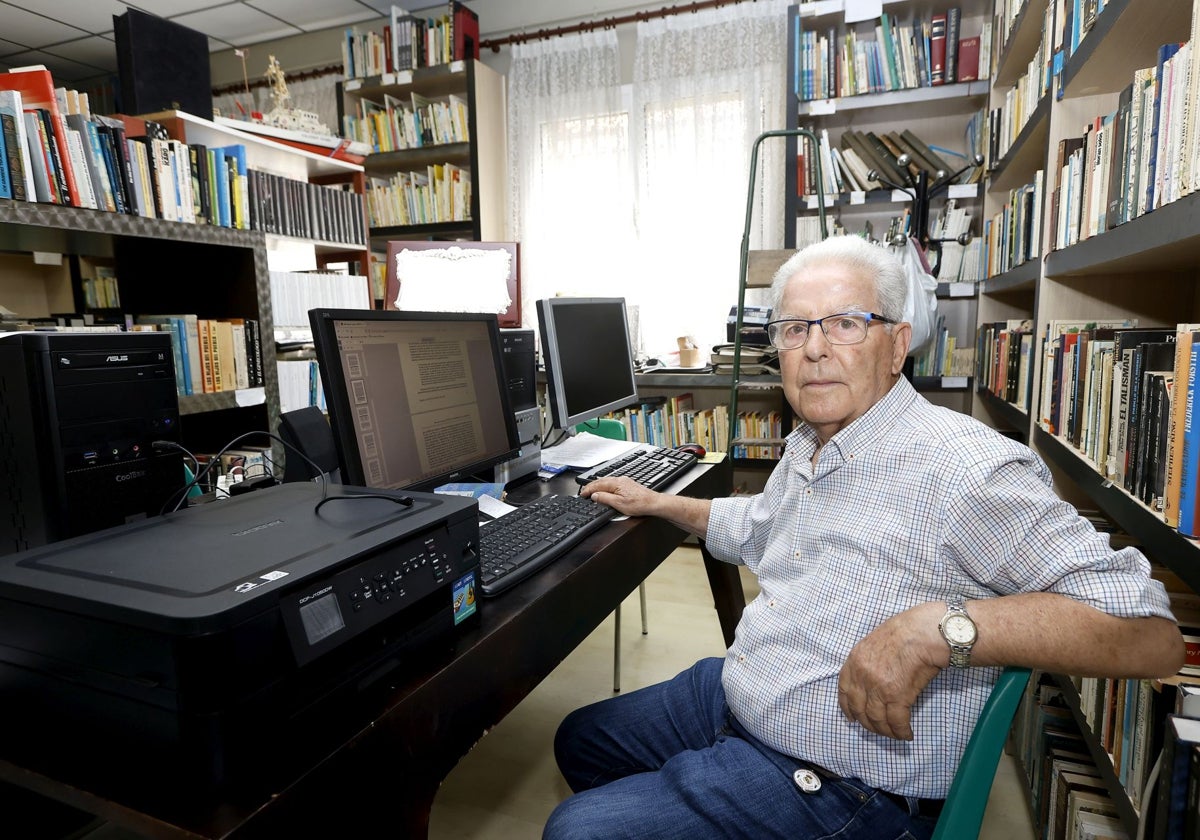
(520, 375)
(79, 413)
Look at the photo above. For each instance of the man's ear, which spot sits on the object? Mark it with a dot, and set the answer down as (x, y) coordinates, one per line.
(901, 339)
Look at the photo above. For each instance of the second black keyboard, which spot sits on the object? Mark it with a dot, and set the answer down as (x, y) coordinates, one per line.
(522, 541)
(649, 465)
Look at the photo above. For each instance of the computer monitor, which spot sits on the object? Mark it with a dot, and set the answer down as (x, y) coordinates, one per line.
(415, 399)
(589, 362)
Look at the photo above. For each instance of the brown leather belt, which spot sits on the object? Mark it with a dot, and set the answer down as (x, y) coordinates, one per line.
(931, 808)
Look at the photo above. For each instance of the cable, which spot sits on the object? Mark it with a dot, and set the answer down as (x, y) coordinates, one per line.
(407, 501)
(217, 458)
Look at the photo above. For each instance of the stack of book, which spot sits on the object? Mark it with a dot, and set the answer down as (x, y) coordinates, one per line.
(409, 42)
(755, 359)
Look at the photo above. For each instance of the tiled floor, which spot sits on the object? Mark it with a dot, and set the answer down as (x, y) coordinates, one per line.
(507, 786)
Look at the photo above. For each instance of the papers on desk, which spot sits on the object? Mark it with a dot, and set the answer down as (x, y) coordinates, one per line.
(585, 450)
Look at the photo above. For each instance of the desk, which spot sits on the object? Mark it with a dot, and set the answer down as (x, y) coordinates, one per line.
(382, 781)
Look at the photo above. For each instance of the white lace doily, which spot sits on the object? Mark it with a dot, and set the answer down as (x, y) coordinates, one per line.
(453, 279)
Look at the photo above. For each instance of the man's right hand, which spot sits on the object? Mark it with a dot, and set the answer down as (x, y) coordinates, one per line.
(626, 496)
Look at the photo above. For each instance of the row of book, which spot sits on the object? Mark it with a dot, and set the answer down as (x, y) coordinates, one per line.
(211, 355)
(1068, 797)
(408, 42)
(1122, 396)
(442, 193)
(1014, 233)
(1139, 156)
(1004, 353)
(300, 384)
(846, 167)
(293, 293)
(399, 124)
(886, 55)
(942, 356)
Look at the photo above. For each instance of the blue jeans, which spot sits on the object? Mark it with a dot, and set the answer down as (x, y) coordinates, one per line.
(668, 761)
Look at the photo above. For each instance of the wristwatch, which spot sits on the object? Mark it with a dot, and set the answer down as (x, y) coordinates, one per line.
(959, 631)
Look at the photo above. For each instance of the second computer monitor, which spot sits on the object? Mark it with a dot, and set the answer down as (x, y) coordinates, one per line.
(589, 361)
(415, 399)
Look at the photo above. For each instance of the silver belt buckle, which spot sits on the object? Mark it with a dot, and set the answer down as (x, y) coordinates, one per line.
(807, 780)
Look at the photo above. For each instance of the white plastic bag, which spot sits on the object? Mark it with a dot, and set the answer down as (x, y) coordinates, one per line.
(920, 309)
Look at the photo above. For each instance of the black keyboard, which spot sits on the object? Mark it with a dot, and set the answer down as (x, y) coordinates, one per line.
(522, 541)
(650, 466)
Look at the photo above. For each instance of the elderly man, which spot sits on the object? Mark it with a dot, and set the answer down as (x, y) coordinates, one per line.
(904, 552)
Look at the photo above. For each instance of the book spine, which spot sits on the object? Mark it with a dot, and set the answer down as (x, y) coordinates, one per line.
(937, 50)
(953, 24)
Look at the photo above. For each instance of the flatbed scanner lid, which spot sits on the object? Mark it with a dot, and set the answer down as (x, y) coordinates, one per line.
(205, 568)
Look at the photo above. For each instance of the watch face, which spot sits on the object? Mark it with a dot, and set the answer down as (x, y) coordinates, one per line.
(959, 630)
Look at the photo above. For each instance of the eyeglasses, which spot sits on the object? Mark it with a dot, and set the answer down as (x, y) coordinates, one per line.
(842, 328)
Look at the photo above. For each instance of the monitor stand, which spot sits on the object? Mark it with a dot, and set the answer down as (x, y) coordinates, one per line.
(525, 466)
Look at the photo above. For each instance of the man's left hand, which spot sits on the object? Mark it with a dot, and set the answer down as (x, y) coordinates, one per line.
(887, 670)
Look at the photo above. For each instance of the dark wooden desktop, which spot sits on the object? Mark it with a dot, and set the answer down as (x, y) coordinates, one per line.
(381, 782)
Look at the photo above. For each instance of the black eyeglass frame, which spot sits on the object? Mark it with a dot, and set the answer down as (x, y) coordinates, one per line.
(869, 317)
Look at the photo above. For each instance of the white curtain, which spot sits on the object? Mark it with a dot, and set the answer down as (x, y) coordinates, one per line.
(705, 86)
(572, 187)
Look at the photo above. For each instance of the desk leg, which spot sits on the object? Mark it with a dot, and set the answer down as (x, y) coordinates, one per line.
(726, 585)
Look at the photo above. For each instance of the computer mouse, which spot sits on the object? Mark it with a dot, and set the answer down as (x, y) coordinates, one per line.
(695, 448)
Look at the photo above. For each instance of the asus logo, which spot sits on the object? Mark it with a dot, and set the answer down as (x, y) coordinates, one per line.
(122, 358)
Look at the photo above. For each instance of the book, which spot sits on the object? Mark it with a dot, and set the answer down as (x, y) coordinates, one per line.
(937, 50)
(20, 166)
(36, 86)
(968, 59)
(1170, 804)
(953, 24)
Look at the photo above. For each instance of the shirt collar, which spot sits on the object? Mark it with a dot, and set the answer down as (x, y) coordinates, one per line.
(859, 435)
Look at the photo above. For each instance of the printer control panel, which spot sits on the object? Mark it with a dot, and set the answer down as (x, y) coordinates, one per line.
(330, 611)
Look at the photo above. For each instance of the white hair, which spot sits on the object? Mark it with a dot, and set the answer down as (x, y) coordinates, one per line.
(858, 255)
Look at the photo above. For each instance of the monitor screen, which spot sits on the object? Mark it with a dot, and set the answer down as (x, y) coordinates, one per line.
(415, 399)
(589, 363)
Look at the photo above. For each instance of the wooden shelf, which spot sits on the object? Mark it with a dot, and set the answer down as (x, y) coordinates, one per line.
(1161, 542)
(1022, 43)
(430, 81)
(942, 383)
(1125, 37)
(1100, 756)
(1166, 239)
(401, 159)
(967, 91)
(1020, 279)
(1026, 155)
(1016, 417)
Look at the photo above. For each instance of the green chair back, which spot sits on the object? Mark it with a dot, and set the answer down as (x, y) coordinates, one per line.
(605, 427)
(962, 815)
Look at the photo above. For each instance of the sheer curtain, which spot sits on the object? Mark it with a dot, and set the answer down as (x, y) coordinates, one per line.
(572, 187)
(705, 86)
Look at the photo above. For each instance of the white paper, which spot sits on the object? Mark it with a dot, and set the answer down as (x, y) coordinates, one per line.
(493, 507)
(250, 396)
(586, 450)
(352, 84)
(857, 10)
(858, 197)
(954, 382)
(900, 195)
(819, 107)
(962, 191)
(962, 290)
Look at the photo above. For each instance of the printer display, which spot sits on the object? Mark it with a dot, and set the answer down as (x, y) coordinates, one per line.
(215, 645)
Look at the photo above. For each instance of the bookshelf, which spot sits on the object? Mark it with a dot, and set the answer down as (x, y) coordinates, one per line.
(940, 115)
(477, 150)
(1128, 266)
(162, 266)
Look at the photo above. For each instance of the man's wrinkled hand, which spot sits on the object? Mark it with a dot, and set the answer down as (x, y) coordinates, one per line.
(886, 671)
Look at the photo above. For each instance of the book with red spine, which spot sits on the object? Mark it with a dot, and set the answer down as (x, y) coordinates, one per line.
(937, 50)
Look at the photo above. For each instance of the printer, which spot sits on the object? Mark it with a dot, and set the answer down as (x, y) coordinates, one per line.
(221, 643)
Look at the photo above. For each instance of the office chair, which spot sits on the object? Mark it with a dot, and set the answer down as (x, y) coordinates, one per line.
(962, 815)
(614, 430)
